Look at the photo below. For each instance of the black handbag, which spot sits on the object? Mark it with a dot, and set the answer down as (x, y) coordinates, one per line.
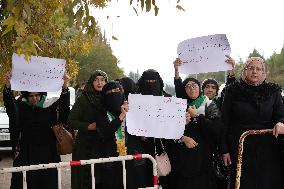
(220, 169)
(222, 172)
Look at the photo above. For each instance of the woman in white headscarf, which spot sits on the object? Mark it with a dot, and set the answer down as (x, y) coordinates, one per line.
(253, 104)
(32, 116)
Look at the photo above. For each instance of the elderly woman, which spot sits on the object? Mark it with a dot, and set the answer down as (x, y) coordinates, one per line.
(253, 104)
(96, 132)
(33, 139)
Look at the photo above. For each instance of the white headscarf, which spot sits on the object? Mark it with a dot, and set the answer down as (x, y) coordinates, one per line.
(262, 77)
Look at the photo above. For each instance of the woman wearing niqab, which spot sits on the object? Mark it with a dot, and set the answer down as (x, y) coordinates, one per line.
(96, 133)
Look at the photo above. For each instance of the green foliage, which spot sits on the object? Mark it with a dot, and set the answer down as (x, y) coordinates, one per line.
(275, 67)
(218, 76)
(238, 69)
(255, 53)
(99, 58)
(51, 28)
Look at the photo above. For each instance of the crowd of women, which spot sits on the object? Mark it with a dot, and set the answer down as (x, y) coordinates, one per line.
(214, 124)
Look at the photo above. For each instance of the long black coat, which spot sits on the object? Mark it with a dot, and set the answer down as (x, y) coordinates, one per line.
(93, 145)
(194, 166)
(36, 143)
(253, 108)
(140, 172)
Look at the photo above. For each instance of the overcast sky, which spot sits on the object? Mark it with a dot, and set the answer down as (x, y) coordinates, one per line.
(146, 41)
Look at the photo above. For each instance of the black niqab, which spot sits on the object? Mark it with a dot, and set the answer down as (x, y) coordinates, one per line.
(113, 100)
(150, 88)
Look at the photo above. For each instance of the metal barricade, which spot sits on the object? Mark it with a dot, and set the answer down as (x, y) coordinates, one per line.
(91, 162)
(240, 152)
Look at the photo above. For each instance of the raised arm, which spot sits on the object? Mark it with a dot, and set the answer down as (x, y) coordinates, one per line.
(177, 63)
(231, 73)
(64, 101)
(8, 97)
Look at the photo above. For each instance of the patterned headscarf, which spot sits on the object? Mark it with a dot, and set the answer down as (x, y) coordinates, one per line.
(262, 77)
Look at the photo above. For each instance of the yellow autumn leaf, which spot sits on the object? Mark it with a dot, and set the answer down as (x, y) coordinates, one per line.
(180, 8)
(20, 28)
(114, 38)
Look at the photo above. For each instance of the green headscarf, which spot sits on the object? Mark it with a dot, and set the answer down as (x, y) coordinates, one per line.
(39, 104)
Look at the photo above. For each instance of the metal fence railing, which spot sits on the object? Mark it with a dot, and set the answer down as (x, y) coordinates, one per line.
(91, 162)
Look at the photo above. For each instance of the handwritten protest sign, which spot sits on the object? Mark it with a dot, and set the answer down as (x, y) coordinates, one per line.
(204, 54)
(156, 116)
(40, 74)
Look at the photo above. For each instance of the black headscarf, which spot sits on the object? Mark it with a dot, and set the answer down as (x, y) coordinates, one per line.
(128, 85)
(25, 94)
(113, 101)
(146, 88)
(94, 96)
(210, 81)
(184, 84)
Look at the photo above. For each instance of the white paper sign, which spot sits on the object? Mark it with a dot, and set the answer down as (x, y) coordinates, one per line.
(204, 54)
(156, 116)
(41, 74)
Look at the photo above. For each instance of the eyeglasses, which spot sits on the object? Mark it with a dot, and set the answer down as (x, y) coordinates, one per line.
(256, 69)
(193, 86)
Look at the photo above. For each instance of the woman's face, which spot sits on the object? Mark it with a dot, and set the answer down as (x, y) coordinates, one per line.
(254, 71)
(192, 90)
(210, 90)
(33, 98)
(99, 82)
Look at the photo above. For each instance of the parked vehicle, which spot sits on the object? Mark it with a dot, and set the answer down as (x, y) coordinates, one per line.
(4, 129)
